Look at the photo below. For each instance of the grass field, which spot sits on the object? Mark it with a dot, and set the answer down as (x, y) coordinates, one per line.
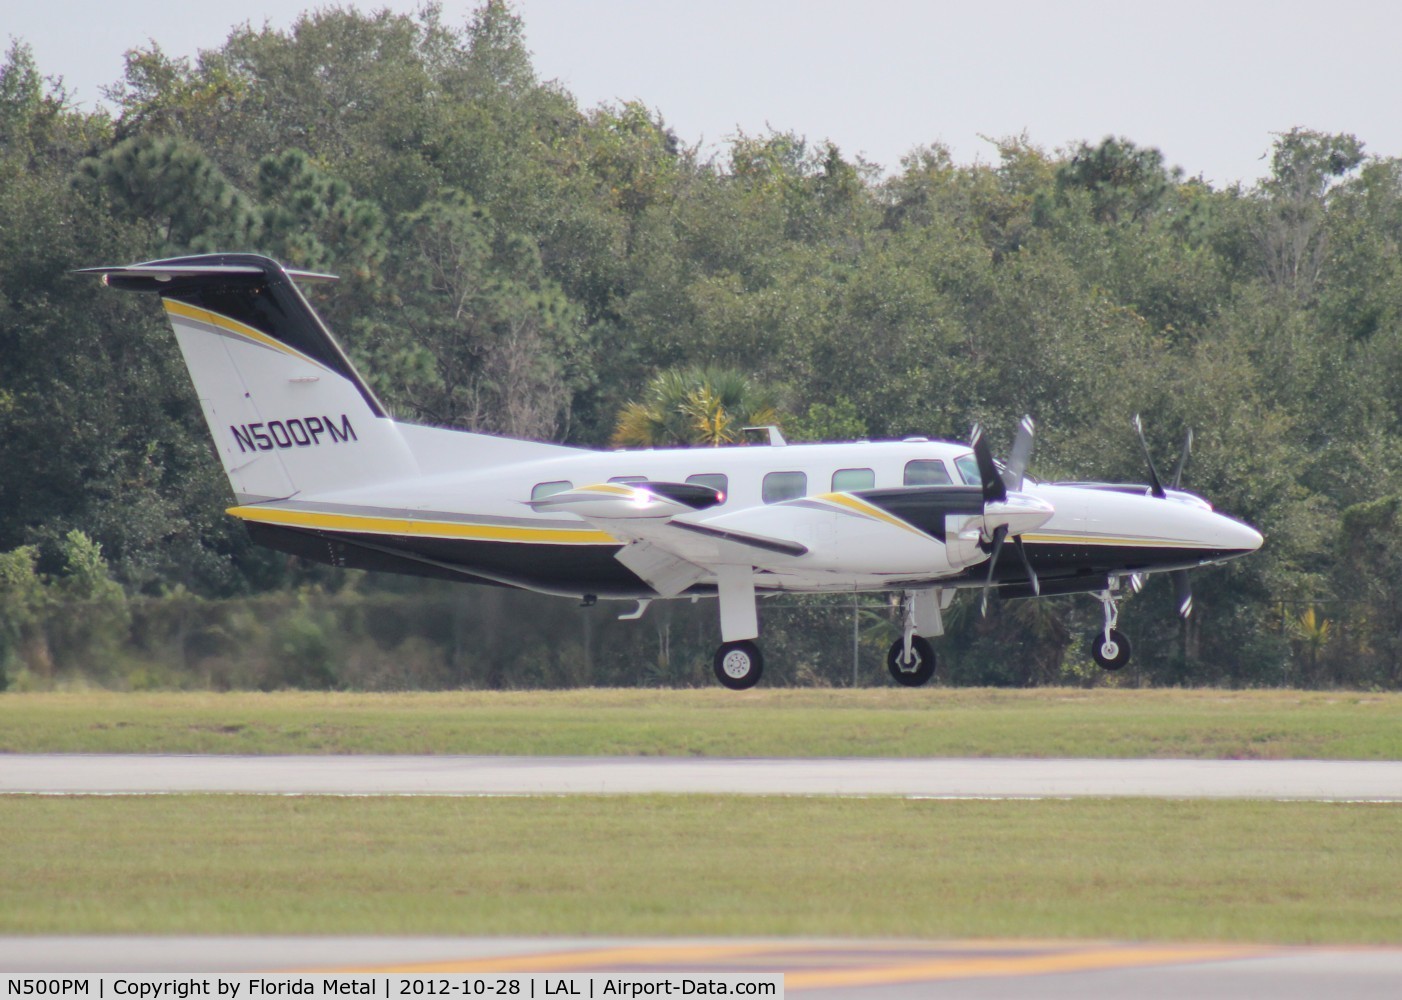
(933, 722)
(703, 865)
(708, 865)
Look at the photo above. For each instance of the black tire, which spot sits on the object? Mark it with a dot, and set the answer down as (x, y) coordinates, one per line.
(1112, 655)
(739, 665)
(921, 666)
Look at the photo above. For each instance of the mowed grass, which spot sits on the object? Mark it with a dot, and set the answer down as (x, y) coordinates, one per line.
(935, 722)
(703, 865)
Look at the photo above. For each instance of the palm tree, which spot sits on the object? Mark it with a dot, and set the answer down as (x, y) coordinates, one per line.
(1312, 633)
(694, 406)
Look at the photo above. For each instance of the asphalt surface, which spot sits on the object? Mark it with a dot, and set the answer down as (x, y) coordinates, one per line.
(868, 970)
(110, 774)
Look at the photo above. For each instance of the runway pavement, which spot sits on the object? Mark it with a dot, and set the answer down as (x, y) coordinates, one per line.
(110, 774)
(880, 970)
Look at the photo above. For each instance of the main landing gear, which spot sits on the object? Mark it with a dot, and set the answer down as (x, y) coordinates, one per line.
(1109, 647)
(739, 665)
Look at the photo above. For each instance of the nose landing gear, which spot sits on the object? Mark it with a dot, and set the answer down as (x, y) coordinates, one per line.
(911, 659)
(1110, 647)
(914, 669)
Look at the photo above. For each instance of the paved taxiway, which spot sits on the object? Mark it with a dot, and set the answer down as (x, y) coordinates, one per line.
(881, 970)
(110, 774)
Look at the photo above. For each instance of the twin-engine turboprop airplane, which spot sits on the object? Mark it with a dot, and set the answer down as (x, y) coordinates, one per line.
(320, 470)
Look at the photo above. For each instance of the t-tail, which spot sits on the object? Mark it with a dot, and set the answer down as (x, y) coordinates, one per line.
(288, 411)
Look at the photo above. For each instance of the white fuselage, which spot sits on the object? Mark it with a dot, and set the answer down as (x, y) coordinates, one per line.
(780, 492)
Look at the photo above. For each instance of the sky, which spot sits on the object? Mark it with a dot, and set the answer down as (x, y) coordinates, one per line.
(1207, 83)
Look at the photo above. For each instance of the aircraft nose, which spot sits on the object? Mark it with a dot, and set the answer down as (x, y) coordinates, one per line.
(1239, 537)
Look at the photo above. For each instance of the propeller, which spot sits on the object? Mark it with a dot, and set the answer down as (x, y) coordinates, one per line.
(1183, 459)
(1019, 456)
(995, 487)
(1182, 589)
(1155, 485)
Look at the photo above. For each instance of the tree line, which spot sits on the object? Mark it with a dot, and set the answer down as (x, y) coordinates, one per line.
(513, 263)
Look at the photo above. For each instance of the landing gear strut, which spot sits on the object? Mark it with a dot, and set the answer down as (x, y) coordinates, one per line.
(911, 659)
(1110, 647)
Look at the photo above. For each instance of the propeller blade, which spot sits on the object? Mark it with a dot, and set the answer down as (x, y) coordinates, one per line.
(1155, 485)
(1000, 533)
(1183, 591)
(1022, 451)
(1027, 565)
(1183, 460)
(992, 483)
(1136, 582)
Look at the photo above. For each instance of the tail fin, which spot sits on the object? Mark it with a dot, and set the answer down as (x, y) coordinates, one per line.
(288, 411)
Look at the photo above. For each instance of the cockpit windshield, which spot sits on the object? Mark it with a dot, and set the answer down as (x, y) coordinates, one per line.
(968, 470)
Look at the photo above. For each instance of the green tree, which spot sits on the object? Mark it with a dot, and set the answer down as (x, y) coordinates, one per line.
(477, 336)
(23, 600)
(1290, 225)
(1370, 539)
(313, 219)
(92, 627)
(1124, 181)
(171, 186)
(695, 407)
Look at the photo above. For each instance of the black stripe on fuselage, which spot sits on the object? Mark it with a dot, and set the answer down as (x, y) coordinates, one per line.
(925, 507)
(592, 569)
(559, 569)
(1055, 561)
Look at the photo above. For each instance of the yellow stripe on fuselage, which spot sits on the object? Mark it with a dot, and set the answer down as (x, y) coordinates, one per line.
(376, 525)
(859, 506)
(1148, 543)
(238, 329)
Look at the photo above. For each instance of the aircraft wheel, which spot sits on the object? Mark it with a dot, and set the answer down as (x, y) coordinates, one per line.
(739, 665)
(1111, 655)
(919, 668)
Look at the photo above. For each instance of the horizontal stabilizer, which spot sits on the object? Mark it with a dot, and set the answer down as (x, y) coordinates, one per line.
(131, 276)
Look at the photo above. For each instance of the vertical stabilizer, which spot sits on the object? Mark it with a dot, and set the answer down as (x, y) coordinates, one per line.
(289, 413)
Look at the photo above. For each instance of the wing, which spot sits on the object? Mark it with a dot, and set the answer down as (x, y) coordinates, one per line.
(670, 551)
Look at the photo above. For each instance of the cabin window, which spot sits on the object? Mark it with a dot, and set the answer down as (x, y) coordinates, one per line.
(627, 479)
(968, 470)
(926, 472)
(846, 480)
(715, 480)
(780, 486)
(542, 490)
